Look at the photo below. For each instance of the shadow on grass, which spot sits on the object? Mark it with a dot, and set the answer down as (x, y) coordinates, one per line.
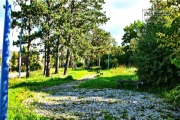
(99, 82)
(107, 82)
(36, 86)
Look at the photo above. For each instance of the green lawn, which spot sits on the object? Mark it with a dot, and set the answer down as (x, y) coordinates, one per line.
(22, 88)
(109, 77)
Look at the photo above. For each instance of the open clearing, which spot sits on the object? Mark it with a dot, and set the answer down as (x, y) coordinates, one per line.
(68, 102)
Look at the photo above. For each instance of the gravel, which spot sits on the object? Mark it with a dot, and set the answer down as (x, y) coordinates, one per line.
(67, 102)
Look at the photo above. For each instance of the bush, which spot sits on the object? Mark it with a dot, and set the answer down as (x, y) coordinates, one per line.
(104, 61)
(79, 64)
(174, 95)
(14, 68)
(69, 77)
(23, 68)
(153, 58)
(36, 66)
(114, 63)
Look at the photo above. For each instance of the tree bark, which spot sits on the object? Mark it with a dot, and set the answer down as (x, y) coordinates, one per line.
(57, 59)
(67, 62)
(99, 61)
(48, 58)
(69, 41)
(28, 52)
(48, 45)
(28, 61)
(45, 60)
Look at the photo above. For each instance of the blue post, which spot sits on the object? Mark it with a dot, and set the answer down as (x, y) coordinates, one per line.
(5, 64)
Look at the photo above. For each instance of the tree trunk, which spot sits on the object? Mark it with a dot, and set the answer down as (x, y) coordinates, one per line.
(57, 59)
(48, 46)
(28, 61)
(69, 41)
(28, 52)
(57, 63)
(45, 60)
(67, 62)
(99, 64)
(48, 60)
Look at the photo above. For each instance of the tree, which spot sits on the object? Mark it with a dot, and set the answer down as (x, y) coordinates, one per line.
(155, 48)
(175, 57)
(83, 16)
(49, 18)
(26, 20)
(14, 58)
(132, 33)
(100, 42)
(61, 25)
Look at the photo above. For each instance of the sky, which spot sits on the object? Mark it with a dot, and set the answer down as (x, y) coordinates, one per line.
(120, 12)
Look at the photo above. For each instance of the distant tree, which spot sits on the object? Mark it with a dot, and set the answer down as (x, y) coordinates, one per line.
(26, 19)
(14, 58)
(83, 16)
(132, 33)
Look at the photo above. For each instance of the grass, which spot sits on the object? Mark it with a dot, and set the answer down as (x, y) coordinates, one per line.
(22, 88)
(109, 77)
(171, 95)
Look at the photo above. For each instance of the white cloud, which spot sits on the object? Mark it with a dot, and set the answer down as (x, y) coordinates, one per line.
(122, 15)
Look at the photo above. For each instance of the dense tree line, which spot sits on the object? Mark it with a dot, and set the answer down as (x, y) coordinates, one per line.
(69, 32)
(154, 44)
(67, 29)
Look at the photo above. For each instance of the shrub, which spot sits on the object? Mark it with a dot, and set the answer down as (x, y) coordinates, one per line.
(14, 68)
(23, 68)
(174, 95)
(36, 66)
(69, 77)
(153, 58)
(79, 64)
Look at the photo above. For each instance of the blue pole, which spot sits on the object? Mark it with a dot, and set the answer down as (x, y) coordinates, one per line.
(5, 63)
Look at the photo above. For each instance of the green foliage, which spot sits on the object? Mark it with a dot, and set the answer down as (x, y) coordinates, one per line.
(176, 62)
(104, 61)
(14, 58)
(155, 50)
(132, 34)
(69, 77)
(21, 89)
(109, 77)
(36, 66)
(154, 63)
(14, 68)
(23, 68)
(114, 63)
(79, 64)
(173, 95)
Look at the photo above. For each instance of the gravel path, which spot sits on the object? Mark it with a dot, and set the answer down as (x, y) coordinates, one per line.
(67, 102)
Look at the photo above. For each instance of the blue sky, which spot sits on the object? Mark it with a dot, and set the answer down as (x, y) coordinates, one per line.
(120, 12)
